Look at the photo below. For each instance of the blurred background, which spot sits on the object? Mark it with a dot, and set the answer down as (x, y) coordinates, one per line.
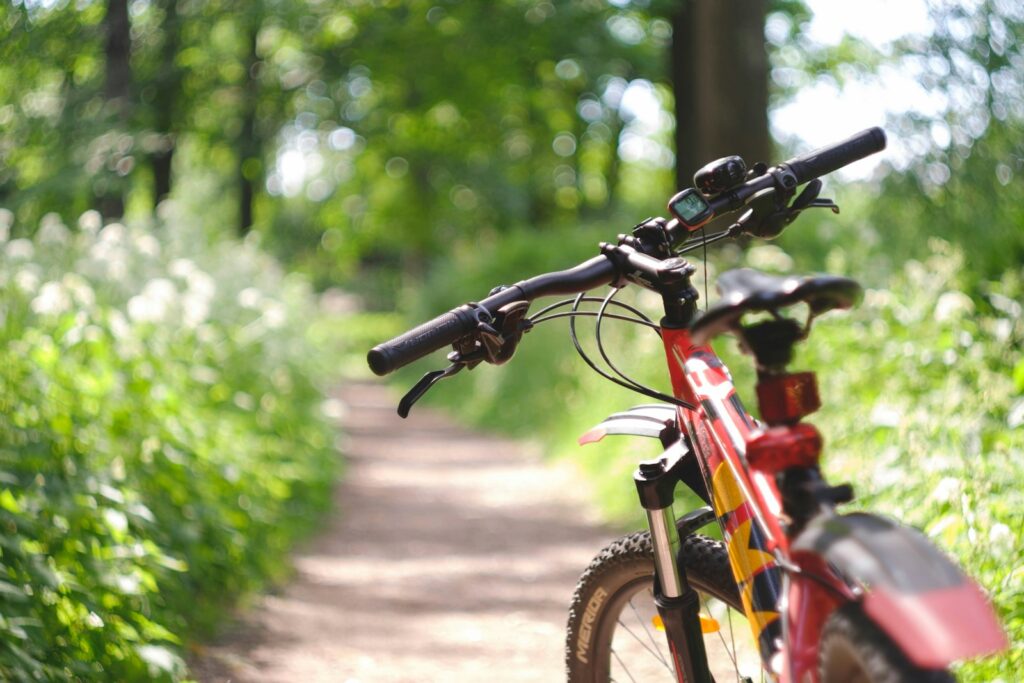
(208, 208)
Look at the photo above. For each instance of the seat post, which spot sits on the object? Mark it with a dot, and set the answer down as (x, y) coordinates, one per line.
(771, 343)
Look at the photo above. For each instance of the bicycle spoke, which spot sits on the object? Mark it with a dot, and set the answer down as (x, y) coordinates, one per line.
(729, 651)
(623, 665)
(732, 639)
(644, 645)
(646, 630)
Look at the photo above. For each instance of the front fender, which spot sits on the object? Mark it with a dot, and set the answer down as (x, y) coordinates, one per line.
(916, 594)
(656, 420)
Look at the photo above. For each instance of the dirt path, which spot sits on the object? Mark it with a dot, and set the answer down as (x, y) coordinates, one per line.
(453, 557)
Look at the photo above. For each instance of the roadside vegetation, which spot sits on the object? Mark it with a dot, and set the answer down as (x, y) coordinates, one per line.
(162, 443)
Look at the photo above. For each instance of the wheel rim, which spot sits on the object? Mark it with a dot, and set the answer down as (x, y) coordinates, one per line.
(638, 650)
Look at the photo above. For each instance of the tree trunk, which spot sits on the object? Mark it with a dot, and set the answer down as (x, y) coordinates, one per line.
(719, 68)
(249, 147)
(117, 90)
(168, 88)
(614, 165)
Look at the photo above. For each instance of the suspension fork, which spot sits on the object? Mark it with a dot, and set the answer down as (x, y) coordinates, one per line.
(677, 602)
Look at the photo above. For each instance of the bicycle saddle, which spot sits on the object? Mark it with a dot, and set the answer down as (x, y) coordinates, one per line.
(745, 290)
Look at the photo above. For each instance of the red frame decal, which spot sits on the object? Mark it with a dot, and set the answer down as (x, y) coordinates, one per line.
(746, 505)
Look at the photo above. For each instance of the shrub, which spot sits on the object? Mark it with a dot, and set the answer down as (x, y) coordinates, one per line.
(160, 442)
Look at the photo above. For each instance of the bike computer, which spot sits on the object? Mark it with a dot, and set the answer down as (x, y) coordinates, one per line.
(690, 208)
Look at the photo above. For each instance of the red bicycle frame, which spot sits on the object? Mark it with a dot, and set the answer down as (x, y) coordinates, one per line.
(747, 507)
(788, 592)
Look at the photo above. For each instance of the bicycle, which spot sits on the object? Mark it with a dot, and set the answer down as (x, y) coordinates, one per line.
(828, 597)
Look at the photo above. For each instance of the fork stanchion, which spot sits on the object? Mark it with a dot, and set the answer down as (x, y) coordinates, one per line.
(678, 603)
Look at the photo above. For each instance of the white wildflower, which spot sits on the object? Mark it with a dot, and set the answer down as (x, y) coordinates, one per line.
(52, 230)
(203, 374)
(155, 301)
(52, 300)
(244, 400)
(114, 233)
(181, 268)
(79, 289)
(119, 326)
(90, 222)
(1006, 305)
(952, 305)
(20, 249)
(195, 309)
(884, 415)
(1002, 328)
(27, 280)
(166, 210)
(147, 245)
(947, 490)
(1015, 418)
(6, 221)
(333, 408)
(112, 257)
(202, 284)
(1000, 534)
(878, 298)
(6, 217)
(274, 316)
(249, 297)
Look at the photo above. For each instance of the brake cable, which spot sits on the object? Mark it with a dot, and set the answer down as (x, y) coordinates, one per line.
(630, 384)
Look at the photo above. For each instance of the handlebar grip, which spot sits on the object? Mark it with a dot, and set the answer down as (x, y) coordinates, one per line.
(443, 330)
(826, 159)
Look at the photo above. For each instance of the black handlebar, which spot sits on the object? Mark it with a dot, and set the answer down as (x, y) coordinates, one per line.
(452, 326)
(435, 334)
(832, 157)
(455, 324)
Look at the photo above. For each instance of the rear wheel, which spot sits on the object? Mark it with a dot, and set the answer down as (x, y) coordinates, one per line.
(854, 650)
(613, 631)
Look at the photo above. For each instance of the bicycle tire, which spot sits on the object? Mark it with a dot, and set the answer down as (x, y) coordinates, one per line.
(855, 650)
(618, 574)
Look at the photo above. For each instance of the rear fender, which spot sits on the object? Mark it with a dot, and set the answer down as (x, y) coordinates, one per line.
(916, 594)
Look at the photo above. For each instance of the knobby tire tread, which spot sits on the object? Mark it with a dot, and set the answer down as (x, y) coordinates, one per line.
(852, 644)
(707, 566)
(849, 635)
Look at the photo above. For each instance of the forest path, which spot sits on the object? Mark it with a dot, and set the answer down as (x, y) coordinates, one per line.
(452, 556)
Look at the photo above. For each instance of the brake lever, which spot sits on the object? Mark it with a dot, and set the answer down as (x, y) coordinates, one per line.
(771, 212)
(492, 343)
(824, 204)
(423, 386)
(809, 199)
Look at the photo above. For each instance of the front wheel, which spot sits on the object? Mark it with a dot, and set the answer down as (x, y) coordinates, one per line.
(854, 650)
(614, 630)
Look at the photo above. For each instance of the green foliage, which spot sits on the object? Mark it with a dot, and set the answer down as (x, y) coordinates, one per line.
(366, 129)
(160, 445)
(926, 420)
